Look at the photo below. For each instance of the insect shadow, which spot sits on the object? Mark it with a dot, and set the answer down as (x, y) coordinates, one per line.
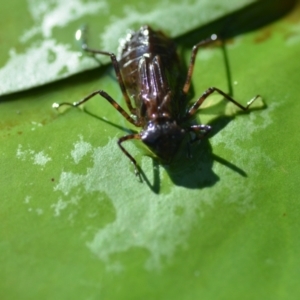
(193, 166)
(195, 170)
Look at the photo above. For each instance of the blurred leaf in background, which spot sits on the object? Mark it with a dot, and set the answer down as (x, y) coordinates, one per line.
(37, 36)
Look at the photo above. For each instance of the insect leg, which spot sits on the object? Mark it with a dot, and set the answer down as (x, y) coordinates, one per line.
(209, 91)
(200, 130)
(105, 96)
(126, 138)
(187, 84)
(116, 68)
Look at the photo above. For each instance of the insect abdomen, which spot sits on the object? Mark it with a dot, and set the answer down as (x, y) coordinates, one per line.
(146, 43)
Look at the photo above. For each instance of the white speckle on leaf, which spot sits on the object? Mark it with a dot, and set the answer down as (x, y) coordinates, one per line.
(39, 158)
(20, 153)
(27, 199)
(59, 206)
(81, 149)
(36, 124)
(39, 211)
(67, 181)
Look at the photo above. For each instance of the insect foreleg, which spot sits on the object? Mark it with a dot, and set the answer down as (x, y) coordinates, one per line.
(126, 138)
(200, 131)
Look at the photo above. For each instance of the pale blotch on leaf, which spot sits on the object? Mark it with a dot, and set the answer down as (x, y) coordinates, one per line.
(81, 149)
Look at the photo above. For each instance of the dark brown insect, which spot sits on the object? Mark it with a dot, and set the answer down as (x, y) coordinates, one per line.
(149, 72)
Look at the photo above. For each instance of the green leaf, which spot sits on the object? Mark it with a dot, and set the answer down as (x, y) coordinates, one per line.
(76, 223)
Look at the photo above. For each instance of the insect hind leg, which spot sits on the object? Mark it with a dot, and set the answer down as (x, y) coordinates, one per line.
(208, 92)
(81, 36)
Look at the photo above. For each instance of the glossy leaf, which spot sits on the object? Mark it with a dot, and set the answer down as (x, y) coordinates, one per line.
(76, 222)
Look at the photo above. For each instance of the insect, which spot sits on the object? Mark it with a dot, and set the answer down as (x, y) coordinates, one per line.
(149, 72)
